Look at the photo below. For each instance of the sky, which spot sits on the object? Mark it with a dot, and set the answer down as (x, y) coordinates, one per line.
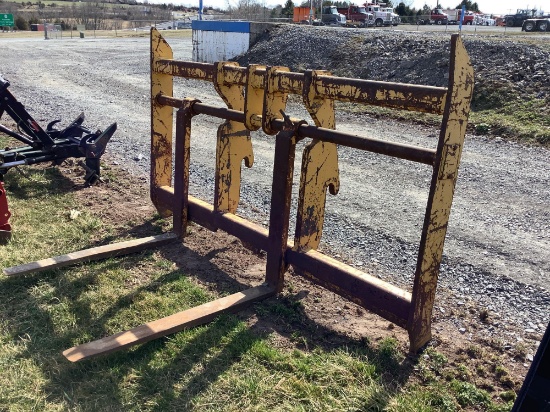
(486, 6)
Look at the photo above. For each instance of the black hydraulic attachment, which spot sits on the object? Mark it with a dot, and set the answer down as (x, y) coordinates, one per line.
(51, 144)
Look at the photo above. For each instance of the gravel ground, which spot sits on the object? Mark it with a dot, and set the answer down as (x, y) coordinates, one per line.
(497, 249)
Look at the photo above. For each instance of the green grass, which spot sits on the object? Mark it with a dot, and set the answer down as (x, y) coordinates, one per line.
(505, 114)
(496, 110)
(223, 366)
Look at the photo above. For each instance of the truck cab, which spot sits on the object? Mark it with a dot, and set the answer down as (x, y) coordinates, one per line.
(394, 16)
(330, 15)
(381, 18)
(358, 14)
(437, 16)
(516, 20)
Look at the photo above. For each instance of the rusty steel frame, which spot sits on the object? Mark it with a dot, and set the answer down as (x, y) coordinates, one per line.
(256, 97)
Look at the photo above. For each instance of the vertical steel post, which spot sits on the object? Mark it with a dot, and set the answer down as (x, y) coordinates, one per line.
(279, 218)
(181, 172)
(161, 123)
(451, 140)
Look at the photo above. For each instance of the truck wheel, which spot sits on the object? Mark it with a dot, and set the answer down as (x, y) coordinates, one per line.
(529, 26)
(440, 22)
(378, 23)
(510, 22)
(543, 26)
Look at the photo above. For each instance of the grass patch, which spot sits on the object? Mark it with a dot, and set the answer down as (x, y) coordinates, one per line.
(223, 366)
(496, 111)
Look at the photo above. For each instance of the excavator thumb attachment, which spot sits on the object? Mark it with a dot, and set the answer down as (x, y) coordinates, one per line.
(50, 145)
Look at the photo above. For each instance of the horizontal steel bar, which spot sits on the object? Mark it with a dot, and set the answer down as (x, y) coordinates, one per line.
(412, 97)
(367, 291)
(186, 319)
(190, 70)
(203, 213)
(399, 150)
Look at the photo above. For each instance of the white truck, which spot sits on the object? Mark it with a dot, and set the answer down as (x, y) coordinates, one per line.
(381, 18)
(394, 16)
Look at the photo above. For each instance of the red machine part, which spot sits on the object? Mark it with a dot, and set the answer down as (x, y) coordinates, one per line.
(5, 227)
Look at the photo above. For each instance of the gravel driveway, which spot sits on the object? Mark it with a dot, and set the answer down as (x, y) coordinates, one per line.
(498, 243)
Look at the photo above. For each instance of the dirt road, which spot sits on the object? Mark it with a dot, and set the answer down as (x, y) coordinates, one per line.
(498, 243)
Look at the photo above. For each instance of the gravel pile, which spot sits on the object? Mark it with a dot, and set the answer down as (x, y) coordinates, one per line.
(409, 57)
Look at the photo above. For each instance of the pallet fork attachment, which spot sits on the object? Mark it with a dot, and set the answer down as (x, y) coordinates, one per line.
(256, 97)
(50, 145)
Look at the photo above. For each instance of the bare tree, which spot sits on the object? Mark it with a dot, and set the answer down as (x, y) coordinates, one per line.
(246, 10)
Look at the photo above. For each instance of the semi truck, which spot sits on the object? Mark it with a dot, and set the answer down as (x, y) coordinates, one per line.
(330, 15)
(516, 20)
(381, 18)
(453, 16)
(437, 16)
(542, 24)
(394, 16)
(357, 14)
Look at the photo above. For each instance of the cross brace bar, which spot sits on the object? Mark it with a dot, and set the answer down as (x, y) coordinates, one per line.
(413, 97)
(398, 150)
(376, 295)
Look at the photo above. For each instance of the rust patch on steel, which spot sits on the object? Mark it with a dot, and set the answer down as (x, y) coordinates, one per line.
(181, 168)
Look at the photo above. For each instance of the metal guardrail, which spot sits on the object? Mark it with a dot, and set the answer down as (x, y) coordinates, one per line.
(256, 98)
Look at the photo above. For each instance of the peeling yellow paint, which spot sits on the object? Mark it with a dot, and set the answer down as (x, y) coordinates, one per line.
(233, 143)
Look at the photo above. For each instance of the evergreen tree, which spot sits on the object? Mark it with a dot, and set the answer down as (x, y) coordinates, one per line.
(469, 5)
(21, 23)
(288, 9)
